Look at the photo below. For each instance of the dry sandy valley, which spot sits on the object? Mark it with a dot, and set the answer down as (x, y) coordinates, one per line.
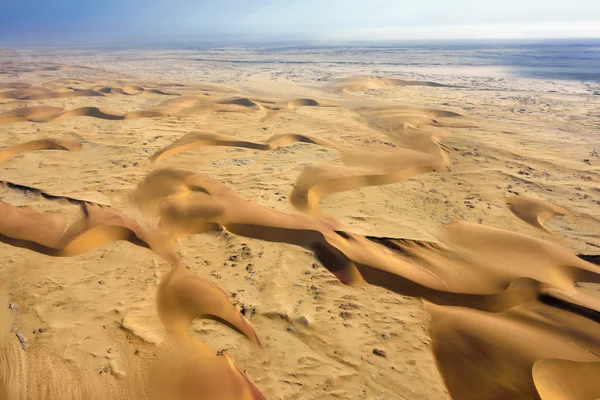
(179, 224)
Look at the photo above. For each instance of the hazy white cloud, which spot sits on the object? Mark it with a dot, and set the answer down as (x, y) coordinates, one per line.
(537, 30)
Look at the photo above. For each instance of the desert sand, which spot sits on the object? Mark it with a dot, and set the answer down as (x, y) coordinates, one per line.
(174, 233)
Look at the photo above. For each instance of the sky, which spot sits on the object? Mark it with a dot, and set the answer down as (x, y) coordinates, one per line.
(119, 21)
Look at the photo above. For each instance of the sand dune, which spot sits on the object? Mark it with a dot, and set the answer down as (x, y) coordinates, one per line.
(498, 351)
(241, 102)
(512, 316)
(181, 296)
(363, 83)
(188, 203)
(534, 211)
(302, 103)
(34, 114)
(413, 152)
(184, 107)
(566, 379)
(49, 114)
(203, 139)
(42, 144)
(200, 102)
(41, 93)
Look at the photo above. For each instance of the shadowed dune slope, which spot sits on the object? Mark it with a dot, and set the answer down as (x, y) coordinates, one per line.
(302, 103)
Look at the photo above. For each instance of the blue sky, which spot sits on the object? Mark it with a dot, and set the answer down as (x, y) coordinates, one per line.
(108, 21)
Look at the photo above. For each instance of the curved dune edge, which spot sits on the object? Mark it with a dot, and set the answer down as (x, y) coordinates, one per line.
(319, 181)
(42, 144)
(565, 379)
(534, 211)
(490, 291)
(204, 139)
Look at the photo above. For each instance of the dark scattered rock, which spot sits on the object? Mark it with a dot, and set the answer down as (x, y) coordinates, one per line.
(247, 311)
(22, 340)
(345, 315)
(42, 330)
(379, 353)
(349, 306)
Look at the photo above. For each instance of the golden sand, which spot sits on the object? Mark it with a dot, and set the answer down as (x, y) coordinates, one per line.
(350, 240)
